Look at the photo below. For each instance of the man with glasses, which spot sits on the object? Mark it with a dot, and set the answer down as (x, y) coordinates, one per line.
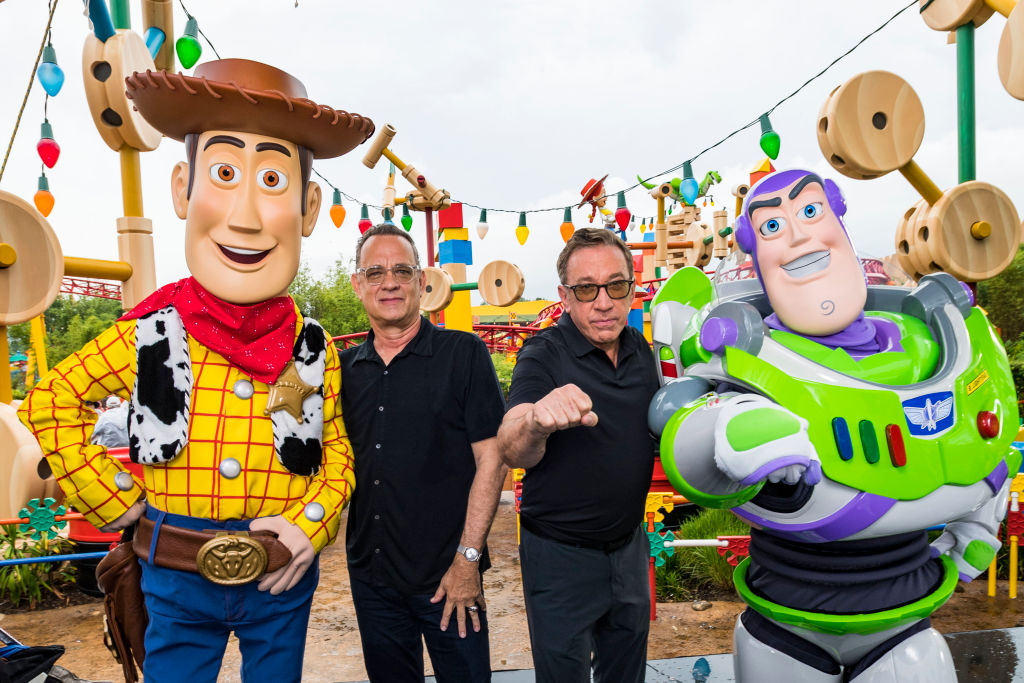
(577, 422)
(426, 407)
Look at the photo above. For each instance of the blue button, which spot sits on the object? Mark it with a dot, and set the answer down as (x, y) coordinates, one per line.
(842, 436)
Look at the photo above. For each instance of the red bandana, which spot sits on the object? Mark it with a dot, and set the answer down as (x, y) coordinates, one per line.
(257, 339)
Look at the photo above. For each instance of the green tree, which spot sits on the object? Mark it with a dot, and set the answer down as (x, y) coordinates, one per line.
(503, 366)
(330, 300)
(1003, 298)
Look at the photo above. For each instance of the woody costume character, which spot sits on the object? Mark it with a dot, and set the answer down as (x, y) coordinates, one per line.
(234, 408)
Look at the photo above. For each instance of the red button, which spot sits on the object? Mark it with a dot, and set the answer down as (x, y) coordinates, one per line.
(988, 424)
(894, 438)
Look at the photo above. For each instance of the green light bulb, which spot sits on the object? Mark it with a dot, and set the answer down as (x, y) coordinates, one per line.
(188, 48)
(770, 140)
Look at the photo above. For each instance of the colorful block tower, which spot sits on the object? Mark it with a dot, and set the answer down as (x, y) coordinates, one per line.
(454, 253)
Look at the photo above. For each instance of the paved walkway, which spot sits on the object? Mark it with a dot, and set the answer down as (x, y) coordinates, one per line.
(979, 657)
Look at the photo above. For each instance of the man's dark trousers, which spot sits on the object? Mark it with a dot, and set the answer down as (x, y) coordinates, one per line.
(582, 600)
(390, 626)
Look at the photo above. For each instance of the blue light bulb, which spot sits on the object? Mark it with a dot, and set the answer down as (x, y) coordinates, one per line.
(50, 75)
(688, 189)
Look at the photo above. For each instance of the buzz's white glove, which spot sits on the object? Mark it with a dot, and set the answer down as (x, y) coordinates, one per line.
(756, 439)
(971, 541)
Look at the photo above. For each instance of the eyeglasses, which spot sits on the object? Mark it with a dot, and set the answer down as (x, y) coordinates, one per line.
(375, 275)
(617, 289)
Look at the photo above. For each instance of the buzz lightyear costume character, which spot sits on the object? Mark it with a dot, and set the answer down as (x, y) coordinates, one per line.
(841, 421)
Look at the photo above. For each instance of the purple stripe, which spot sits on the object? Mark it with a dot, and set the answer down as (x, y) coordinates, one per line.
(861, 512)
(996, 478)
(769, 467)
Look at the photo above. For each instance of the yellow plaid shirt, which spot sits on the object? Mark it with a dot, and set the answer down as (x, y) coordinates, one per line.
(221, 425)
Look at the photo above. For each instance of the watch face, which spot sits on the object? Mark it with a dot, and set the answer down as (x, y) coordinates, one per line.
(472, 554)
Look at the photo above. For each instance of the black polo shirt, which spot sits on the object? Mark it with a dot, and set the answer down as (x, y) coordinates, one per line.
(592, 482)
(412, 424)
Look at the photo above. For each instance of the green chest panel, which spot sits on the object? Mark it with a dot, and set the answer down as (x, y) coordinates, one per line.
(863, 436)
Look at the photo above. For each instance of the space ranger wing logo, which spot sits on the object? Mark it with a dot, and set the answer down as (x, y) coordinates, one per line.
(930, 414)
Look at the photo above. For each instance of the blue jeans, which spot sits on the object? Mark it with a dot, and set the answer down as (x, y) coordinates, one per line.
(391, 625)
(190, 619)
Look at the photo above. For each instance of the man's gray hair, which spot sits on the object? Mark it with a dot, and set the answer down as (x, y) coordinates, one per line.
(591, 237)
(386, 229)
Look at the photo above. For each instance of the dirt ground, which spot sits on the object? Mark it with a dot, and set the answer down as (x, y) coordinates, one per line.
(333, 650)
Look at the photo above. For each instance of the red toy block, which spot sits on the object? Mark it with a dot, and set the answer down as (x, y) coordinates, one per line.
(450, 217)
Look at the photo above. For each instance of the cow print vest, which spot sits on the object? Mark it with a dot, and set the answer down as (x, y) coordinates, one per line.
(159, 410)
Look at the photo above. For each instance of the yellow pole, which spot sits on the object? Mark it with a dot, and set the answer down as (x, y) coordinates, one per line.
(1004, 7)
(992, 579)
(131, 181)
(6, 396)
(921, 182)
(37, 336)
(75, 266)
(1013, 567)
(393, 159)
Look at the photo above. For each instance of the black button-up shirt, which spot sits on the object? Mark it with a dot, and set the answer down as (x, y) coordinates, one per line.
(592, 482)
(412, 423)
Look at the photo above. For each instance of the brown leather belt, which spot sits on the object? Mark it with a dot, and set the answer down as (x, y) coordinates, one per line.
(228, 558)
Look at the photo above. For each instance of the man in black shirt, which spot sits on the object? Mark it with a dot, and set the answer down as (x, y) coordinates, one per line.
(423, 407)
(577, 420)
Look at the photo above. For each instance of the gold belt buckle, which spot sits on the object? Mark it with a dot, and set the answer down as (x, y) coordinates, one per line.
(231, 559)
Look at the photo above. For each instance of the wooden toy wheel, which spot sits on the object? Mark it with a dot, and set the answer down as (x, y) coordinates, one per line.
(975, 231)
(31, 280)
(699, 254)
(104, 68)
(437, 293)
(501, 283)
(19, 466)
(870, 125)
(947, 15)
(1011, 54)
(913, 237)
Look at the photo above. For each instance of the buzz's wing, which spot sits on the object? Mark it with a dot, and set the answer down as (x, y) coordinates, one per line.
(915, 415)
(943, 409)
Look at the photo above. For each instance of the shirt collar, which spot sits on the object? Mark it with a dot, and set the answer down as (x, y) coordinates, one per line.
(581, 346)
(422, 344)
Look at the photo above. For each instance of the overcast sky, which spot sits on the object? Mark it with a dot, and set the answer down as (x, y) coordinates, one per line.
(515, 105)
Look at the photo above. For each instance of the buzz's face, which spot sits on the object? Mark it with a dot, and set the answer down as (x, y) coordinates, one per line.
(809, 269)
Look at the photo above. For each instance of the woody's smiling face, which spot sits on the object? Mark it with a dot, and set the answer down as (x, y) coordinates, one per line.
(243, 220)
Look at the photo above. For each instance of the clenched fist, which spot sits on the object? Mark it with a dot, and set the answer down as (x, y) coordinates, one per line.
(565, 407)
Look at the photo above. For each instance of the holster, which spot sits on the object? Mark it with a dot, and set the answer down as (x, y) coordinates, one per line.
(119, 576)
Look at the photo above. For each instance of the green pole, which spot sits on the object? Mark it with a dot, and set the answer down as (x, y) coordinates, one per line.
(120, 14)
(965, 101)
(464, 286)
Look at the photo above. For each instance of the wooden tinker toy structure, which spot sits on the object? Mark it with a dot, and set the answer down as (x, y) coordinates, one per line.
(500, 283)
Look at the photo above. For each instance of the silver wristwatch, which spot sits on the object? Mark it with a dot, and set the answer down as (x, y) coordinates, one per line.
(471, 554)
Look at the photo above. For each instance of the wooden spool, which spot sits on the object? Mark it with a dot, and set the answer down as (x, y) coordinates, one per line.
(870, 125)
(501, 283)
(720, 246)
(104, 68)
(1011, 54)
(951, 242)
(912, 242)
(437, 293)
(948, 15)
(20, 459)
(30, 284)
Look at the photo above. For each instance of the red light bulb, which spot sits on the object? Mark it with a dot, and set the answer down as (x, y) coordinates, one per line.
(47, 147)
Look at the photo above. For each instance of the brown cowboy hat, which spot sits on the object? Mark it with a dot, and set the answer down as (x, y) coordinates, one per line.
(244, 96)
(590, 190)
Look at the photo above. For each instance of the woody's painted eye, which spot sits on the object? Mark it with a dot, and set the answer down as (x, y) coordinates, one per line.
(271, 179)
(225, 173)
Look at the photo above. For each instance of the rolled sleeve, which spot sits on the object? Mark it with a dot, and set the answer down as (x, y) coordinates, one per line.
(332, 486)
